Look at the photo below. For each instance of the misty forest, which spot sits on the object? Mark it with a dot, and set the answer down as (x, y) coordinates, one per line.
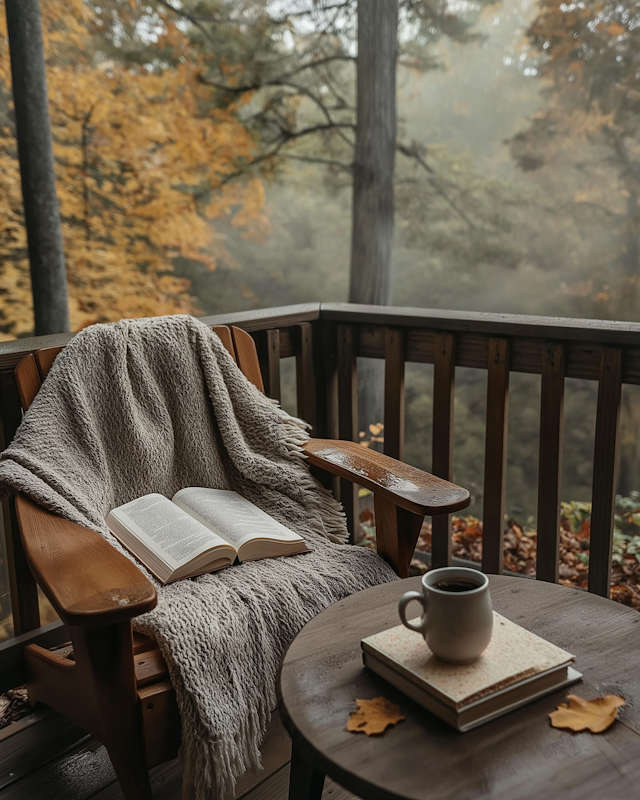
(206, 157)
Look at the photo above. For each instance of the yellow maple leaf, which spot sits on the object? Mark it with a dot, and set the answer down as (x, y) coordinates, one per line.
(373, 716)
(586, 715)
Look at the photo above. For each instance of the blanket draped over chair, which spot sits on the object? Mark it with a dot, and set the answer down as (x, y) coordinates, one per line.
(156, 405)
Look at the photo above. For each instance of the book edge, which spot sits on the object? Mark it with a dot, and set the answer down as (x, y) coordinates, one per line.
(398, 666)
(450, 715)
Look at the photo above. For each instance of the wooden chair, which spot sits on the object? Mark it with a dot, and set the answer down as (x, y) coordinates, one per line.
(114, 683)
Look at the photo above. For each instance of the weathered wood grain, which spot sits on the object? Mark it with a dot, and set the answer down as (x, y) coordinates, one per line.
(550, 461)
(605, 461)
(348, 413)
(489, 324)
(36, 746)
(45, 359)
(394, 394)
(442, 438)
(305, 374)
(24, 593)
(495, 458)
(398, 483)
(27, 380)
(516, 756)
(246, 357)
(268, 343)
(86, 580)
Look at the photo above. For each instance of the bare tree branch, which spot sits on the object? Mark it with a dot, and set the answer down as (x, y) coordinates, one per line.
(275, 145)
(308, 11)
(330, 162)
(413, 151)
(298, 89)
(193, 20)
(318, 63)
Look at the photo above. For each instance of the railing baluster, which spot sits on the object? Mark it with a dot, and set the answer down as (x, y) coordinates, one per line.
(495, 455)
(324, 360)
(444, 363)
(22, 587)
(550, 462)
(605, 468)
(394, 394)
(269, 357)
(348, 413)
(305, 377)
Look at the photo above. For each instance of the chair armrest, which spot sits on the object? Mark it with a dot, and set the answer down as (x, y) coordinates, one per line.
(399, 483)
(87, 581)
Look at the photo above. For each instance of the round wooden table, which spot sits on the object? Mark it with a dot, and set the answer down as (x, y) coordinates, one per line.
(516, 757)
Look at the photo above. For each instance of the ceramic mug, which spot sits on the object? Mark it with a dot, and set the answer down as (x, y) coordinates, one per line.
(457, 619)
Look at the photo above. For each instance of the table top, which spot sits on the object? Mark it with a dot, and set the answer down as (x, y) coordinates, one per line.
(516, 757)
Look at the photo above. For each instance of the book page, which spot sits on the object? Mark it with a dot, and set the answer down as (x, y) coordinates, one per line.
(166, 528)
(235, 518)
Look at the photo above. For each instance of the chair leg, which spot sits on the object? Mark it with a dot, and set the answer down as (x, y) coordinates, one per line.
(397, 532)
(108, 655)
(98, 692)
(132, 772)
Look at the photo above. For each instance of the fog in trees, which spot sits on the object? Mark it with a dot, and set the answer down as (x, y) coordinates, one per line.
(484, 230)
(511, 192)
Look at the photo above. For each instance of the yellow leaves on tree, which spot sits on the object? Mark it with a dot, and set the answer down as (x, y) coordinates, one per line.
(141, 156)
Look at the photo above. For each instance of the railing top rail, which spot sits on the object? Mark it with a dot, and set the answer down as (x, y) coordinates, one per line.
(564, 328)
(13, 351)
(261, 318)
(521, 325)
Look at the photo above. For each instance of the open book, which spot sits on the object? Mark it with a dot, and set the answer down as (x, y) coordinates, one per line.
(198, 531)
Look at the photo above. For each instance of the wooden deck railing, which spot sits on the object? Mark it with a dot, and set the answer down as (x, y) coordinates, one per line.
(326, 341)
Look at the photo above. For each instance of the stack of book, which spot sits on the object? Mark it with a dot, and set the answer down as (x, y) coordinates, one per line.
(516, 668)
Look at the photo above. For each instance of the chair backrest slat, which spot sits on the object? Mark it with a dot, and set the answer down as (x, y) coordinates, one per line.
(34, 368)
(27, 380)
(45, 358)
(225, 337)
(247, 356)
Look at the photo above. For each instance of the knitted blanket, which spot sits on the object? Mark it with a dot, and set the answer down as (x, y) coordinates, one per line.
(156, 405)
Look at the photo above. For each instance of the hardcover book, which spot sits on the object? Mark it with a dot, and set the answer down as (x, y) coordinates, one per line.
(516, 668)
(197, 531)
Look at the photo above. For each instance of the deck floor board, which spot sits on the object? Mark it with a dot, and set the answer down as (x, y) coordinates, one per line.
(52, 759)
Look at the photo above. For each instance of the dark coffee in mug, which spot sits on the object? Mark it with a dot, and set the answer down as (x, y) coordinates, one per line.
(455, 585)
(457, 618)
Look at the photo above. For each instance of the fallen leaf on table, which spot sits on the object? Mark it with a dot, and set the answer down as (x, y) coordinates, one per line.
(586, 715)
(373, 716)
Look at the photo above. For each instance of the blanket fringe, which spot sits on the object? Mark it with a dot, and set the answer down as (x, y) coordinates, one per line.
(218, 765)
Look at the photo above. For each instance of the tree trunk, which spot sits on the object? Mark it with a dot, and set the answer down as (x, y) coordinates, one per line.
(372, 223)
(632, 250)
(33, 132)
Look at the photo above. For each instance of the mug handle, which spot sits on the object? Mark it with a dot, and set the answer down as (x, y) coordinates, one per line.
(402, 609)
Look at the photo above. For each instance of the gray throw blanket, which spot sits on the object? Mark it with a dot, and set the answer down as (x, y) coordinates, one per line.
(156, 405)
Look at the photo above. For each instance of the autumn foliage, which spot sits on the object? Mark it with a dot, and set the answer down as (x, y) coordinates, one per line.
(587, 715)
(141, 155)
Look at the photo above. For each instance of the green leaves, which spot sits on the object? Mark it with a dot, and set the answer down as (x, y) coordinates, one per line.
(626, 528)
